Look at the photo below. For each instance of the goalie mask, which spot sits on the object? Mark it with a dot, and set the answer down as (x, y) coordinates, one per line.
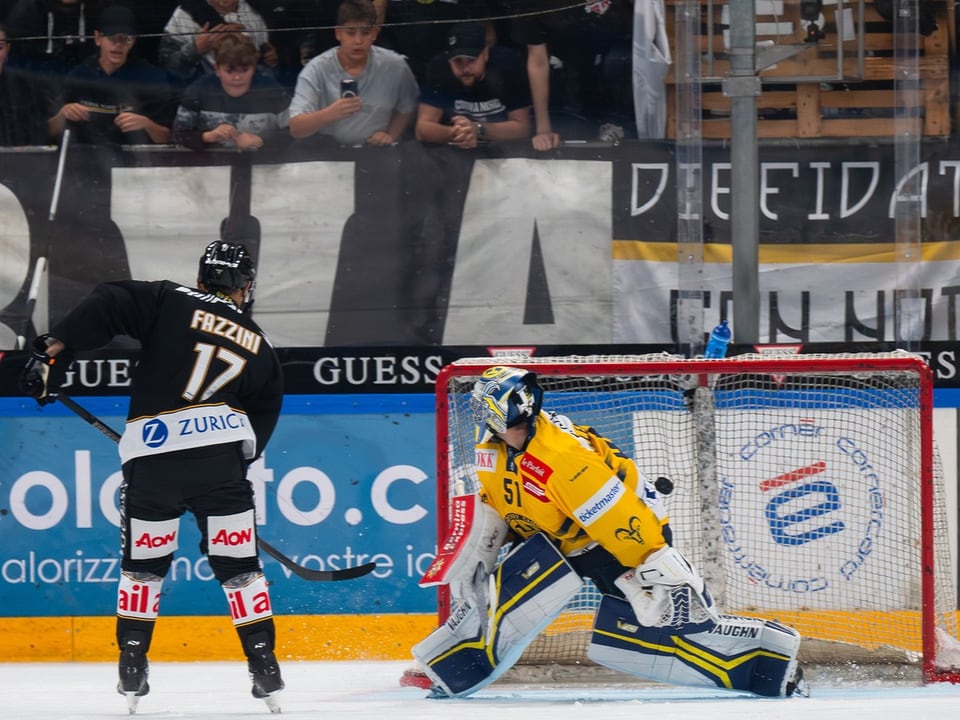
(502, 398)
(227, 267)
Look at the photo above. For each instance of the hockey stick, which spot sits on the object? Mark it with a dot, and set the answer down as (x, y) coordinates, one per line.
(87, 415)
(315, 575)
(300, 571)
(39, 272)
(55, 200)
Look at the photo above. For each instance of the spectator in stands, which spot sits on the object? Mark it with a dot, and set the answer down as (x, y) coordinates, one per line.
(473, 92)
(112, 97)
(291, 23)
(186, 49)
(318, 20)
(382, 106)
(238, 107)
(418, 30)
(59, 32)
(152, 16)
(576, 41)
(25, 103)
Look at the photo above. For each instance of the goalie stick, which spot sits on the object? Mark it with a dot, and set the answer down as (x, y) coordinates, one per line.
(300, 571)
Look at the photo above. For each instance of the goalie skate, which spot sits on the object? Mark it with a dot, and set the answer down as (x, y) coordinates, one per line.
(415, 677)
(797, 686)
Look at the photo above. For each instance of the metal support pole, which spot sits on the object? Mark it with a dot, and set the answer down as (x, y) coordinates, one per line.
(742, 86)
(689, 173)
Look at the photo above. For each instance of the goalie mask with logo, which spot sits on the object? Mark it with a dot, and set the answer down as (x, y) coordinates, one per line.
(503, 398)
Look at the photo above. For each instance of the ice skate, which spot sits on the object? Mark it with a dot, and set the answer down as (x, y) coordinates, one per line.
(264, 671)
(133, 669)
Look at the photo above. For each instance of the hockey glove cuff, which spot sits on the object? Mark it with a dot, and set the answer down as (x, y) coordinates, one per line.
(43, 375)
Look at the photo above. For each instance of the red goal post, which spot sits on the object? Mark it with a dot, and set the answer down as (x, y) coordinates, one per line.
(807, 489)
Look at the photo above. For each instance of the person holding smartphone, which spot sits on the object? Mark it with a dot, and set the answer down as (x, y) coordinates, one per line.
(356, 93)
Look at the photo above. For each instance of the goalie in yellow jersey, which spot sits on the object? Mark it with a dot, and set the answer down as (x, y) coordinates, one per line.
(576, 507)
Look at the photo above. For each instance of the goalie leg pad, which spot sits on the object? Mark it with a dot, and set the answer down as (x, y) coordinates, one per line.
(738, 653)
(478, 644)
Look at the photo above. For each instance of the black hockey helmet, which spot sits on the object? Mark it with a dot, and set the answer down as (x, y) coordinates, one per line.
(225, 266)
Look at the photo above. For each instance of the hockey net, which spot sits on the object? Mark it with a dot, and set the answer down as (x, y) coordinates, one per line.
(806, 489)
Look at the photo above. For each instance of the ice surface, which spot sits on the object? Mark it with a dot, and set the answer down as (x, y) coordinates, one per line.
(371, 691)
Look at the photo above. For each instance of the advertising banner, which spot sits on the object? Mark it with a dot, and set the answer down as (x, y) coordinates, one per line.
(344, 481)
(349, 477)
(418, 246)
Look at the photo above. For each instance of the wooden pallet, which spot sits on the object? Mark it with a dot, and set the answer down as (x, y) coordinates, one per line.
(815, 94)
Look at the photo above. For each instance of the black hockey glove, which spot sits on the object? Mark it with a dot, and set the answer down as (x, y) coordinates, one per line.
(43, 375)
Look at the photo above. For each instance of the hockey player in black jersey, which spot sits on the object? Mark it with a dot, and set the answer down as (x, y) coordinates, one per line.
(205, 398)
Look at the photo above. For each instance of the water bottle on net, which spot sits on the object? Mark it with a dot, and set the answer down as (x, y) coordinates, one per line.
(719, 340)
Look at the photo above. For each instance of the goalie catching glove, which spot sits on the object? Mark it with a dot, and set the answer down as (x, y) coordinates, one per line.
(665, 591)
(43, 375)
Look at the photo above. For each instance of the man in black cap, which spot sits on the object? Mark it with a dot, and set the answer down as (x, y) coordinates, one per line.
(113, 97)
(473, 92)
(417, 29)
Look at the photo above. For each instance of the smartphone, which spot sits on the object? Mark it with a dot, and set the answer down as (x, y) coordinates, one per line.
(348, 88)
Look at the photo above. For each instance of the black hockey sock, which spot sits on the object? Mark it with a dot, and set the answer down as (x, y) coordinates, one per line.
(138, 631)
(258, 638)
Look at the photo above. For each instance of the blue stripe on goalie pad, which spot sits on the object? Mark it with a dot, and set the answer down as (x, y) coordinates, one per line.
(739, 653)
(533, 585)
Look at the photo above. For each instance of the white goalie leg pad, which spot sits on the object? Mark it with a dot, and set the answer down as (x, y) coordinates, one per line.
(478, 644)
(665, 591)
(477, 532)
(738, 653)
